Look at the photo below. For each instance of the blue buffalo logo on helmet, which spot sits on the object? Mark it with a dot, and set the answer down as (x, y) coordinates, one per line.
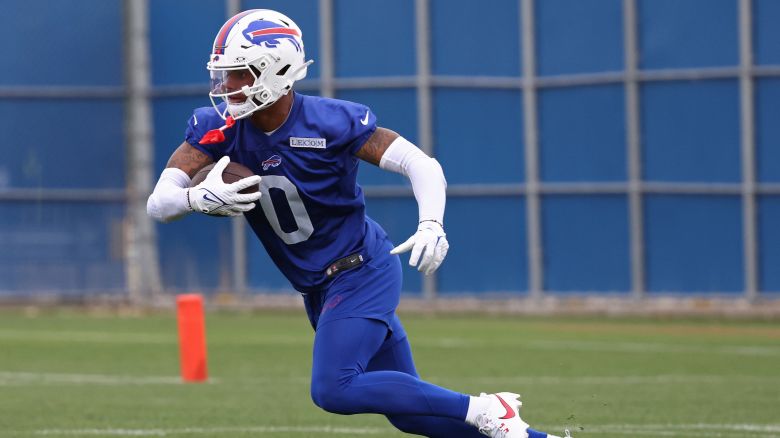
(273, 161)
(268, 34)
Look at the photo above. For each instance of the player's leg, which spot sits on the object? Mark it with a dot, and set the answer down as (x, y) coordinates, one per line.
(352, 329)
(396, 355)
(341, 382)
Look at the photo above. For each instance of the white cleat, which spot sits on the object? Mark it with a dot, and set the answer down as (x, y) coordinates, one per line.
(502, 418)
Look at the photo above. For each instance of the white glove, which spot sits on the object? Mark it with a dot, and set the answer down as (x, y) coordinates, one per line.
(430, 242)
(216, 198)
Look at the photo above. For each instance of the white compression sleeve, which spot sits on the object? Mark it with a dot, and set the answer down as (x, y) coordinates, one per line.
(169, 201)
(425, 174)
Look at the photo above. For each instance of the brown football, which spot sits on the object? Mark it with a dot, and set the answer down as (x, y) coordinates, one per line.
(232, 173)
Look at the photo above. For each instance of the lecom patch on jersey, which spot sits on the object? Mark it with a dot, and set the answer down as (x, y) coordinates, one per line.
(302, 142)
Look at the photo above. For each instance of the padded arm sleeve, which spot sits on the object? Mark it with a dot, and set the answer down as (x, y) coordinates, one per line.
(425, 174)
(169, 201)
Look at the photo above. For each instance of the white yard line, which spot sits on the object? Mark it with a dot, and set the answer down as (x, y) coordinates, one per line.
(86, 337)
(83, 336)
(598, 346)
(611, 380)
(739, 427)
(653, 347)
(623, 380)
(448, 343)
(8, 378)
(15, 378)
(620, 347)
(698, 429)
(213, 430)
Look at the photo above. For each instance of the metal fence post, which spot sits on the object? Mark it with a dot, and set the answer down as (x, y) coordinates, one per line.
(141, 263)
(533, 202)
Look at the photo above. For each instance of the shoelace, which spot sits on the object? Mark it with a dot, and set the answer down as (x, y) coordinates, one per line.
(487, 426)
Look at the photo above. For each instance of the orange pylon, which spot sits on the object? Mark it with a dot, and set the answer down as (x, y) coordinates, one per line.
(192, 337)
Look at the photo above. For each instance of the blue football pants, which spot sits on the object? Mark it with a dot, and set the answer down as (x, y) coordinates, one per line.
(359, 366)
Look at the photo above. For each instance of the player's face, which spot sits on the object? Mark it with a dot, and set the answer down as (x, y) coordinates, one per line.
(230, 81)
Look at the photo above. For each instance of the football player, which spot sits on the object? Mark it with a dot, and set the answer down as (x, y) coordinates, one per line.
(309, 214)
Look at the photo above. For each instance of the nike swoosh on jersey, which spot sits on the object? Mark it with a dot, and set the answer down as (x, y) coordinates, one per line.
(509, 411)
(364, 120)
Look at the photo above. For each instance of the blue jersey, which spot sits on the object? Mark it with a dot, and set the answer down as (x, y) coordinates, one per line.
(312, 210)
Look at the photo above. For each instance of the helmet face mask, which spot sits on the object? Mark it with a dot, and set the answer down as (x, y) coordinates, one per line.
(269, 46)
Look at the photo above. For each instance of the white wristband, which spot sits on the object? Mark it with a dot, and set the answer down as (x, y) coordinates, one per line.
(169, 199)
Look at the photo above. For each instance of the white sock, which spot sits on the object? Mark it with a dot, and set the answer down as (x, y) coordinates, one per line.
(477, 405)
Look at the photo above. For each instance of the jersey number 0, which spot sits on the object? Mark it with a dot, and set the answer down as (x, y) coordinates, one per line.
(302, 220)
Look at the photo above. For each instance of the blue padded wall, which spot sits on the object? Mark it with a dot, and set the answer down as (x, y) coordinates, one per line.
(582, 134)
(82, 145)
(66, 42)
(487, 246)
(475, 145)
(687, 33)
(586, 243)
(766, 14)
(690, 131)
(767, 130)
(579, 37)
(49, 143)
(63, 247)
(694, 244)
(464, 43)
(769, 243)
(182, 38)
(359, 31)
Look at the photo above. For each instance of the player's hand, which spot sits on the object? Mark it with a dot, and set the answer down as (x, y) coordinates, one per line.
(214, 197)
(430, 242)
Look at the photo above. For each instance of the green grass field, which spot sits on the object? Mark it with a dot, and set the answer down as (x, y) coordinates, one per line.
(74, 374)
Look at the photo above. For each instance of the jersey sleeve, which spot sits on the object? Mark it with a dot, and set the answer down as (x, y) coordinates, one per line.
(202, 121)
(358, 122)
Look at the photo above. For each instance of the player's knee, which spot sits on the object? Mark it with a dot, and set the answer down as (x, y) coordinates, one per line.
(329, 396)
(404, 423)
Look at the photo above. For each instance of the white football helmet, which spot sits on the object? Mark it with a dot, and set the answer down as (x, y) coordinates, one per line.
(266, 43)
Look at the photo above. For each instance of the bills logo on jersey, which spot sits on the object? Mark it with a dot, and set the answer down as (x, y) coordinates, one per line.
(273, 161)
(268, 34)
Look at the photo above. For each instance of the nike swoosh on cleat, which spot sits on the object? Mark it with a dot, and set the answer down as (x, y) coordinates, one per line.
(509, 411)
